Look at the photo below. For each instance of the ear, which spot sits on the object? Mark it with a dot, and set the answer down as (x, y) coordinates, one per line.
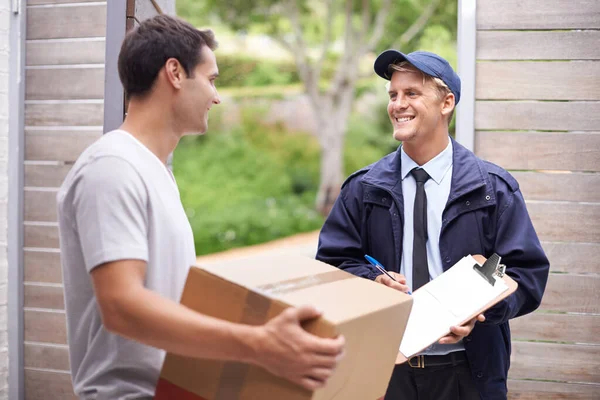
(174, 73)
(448, 104)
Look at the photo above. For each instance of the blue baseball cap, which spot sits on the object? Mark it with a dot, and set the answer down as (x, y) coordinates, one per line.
(428, 63)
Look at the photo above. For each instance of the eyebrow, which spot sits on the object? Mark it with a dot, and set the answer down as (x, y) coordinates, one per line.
(215, 75)
(413, 88)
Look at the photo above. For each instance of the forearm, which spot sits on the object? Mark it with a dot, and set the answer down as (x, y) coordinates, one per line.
(149, 318)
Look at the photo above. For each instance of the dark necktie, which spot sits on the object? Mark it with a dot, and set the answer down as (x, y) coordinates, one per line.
(420, 266)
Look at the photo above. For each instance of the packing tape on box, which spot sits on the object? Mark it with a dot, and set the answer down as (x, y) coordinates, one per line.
(233, 374)
(291, 285)
(255, 312)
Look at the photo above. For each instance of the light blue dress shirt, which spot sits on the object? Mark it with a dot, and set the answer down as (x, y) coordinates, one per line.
(437, 189)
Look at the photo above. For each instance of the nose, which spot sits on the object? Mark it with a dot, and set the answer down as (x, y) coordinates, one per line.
(400, 103)
(217, 98)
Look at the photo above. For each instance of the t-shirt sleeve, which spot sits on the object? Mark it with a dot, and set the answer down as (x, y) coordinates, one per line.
(110, 206)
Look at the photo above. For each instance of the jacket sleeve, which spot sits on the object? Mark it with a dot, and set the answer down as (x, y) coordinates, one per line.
(340, 241)
(518, 245)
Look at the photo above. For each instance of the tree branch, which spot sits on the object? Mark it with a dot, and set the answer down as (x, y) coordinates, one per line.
(299, 52)
(157, 7)
(418, 25)
(379, 26)
(348, 55)
(326, 40)
(366, 17)
(284, 43)
(300, 48)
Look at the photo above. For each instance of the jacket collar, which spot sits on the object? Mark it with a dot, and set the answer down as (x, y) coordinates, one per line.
(467, 173)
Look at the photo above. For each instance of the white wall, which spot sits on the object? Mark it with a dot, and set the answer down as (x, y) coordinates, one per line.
(4, 66)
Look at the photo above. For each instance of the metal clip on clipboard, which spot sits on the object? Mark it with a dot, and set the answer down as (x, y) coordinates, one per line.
(490, 268)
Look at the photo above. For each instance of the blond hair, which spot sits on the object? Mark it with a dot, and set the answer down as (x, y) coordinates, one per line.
(442, 89)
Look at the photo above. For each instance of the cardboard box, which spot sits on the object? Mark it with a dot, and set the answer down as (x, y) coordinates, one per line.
(371, 316)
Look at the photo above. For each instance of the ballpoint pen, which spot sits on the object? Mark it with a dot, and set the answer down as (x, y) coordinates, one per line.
(380, 267)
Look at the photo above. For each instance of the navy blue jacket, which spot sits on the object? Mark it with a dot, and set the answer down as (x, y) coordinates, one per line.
(485, 214)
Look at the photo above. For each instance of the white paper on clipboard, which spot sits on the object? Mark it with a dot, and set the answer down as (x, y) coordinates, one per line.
(446, 301)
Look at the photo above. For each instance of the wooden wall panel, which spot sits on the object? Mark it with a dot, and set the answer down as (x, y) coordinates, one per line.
(542, 45)
(64, 114)
(52, 145)
(42, 266)
(43, 175)
(572, 293)
(540, 150)
(56, 83)
(40, 205)
(40, 385)
(538, 14)
(41, 235)
(44, 296)
(45, 326)
(556, 327)
(525, 80)
(537, 115)
(537, 390)
(46, 356)
(76, 21)
(64, 90)
(569, 222)
(573, 257)
(555, 362)
(66, 52)
(559, 186)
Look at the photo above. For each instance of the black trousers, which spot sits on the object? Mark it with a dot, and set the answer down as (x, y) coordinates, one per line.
(452, 381)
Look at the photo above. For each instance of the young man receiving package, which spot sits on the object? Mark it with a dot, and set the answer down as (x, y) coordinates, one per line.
(127, 245)
(423, 208)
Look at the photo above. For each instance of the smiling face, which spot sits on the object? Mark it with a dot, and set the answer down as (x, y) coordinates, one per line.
(198, 94)
(417, 111)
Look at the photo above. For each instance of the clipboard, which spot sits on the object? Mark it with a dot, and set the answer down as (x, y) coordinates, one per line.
(490, 271)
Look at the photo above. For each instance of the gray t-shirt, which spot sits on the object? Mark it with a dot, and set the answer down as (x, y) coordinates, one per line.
(118, 202)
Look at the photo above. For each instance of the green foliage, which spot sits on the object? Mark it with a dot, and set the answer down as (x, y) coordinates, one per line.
(446, 16)
(196, 13)
(438, 39)
(245, 71)
(368, 139)
(249, 185)
(238, 71)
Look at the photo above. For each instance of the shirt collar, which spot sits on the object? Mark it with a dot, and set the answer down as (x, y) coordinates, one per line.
(437, 167)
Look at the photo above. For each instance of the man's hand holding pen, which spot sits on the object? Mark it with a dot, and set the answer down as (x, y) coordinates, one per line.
(398, 282)
(388, 278)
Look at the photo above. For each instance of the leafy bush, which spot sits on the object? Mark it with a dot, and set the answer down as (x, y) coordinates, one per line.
(249, 185)
(237, 71)
(368, 139)
(241, 71)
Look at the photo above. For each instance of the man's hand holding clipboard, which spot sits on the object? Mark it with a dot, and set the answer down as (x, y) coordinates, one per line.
(457, 333)
(447, 308)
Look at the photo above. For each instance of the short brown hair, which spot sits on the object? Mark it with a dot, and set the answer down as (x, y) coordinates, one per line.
(147, 48)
